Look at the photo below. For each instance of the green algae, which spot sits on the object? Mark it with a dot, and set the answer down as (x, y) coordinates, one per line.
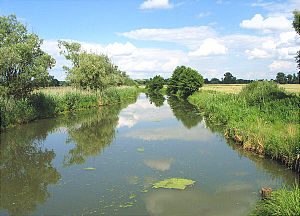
(174, 183)
(140, 149)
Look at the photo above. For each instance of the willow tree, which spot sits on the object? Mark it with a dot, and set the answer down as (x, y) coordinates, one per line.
(23, 64)
(89, 70)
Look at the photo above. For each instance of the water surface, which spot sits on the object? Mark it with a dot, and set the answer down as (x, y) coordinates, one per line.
(105, 161)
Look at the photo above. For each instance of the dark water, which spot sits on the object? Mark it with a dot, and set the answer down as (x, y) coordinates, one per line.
(105, 161)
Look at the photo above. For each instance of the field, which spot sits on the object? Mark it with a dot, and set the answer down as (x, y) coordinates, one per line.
(236, 88)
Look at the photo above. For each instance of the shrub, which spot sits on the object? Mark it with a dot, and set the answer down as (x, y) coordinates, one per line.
(184, 82)
(155, 84)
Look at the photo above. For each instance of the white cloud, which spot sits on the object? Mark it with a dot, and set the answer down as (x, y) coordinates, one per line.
(283, 66)
(282, 8)
(156, 4)
(269, 25)
(200, 15)
(257, 53)
(209, 47)
(191, 37)
(222, 2)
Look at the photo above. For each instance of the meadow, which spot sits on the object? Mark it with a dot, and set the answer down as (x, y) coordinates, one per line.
(49, 102)
(236, 88)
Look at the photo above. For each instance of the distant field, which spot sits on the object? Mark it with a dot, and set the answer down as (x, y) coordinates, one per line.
(236, 88)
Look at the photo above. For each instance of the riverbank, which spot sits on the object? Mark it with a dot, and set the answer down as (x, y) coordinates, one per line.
(263, 118)
(279, 202)
(49, 102)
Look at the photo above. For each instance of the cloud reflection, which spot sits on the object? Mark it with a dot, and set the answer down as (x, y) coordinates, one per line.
(160, 164)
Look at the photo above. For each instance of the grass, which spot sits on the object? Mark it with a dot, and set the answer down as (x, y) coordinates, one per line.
(49, 102)
(236, 88)
(263, 117)
(281, 202)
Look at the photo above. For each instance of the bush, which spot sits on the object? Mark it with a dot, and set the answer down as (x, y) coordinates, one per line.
(155, 84)
(184, 82)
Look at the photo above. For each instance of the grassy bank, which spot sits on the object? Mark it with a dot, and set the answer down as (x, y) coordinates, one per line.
(263, 118)
(281, 202)
(51, 101)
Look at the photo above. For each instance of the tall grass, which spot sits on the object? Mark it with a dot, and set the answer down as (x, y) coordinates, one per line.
(281, 202)
(46, 103)
(262, 117)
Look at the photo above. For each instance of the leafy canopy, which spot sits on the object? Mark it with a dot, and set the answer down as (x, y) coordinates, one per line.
(184, 81)
(296, 25)
(155, 84)
(90, 70)
(23, 64)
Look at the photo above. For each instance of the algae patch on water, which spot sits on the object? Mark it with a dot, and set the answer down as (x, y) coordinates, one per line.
(174, 183)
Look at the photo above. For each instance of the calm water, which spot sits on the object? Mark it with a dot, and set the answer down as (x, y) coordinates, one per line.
(105, 161)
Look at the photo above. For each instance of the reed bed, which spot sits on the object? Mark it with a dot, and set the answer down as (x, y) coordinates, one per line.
(51, 101)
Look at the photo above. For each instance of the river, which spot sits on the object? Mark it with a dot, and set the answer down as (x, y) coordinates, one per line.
(105, 161)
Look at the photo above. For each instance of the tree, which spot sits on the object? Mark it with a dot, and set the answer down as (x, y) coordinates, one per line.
(296, 25)
(229, 78)
(155, 84)
(281, 78)
(23, 64)
(289, 78)
(184, 81)
(53, 81)
(215, 81)
(89, 70)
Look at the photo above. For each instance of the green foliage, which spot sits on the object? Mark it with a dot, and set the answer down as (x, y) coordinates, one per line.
(184, 82)
(91, 71)
(44, 105)
(262, 92)
(296, 25)
(296, 21)
(23, 65)
(229, 78)
(281, 202)
(155, 84)
(281, 78)
(265, 118)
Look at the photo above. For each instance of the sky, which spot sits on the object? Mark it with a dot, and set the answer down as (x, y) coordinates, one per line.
(252, 39)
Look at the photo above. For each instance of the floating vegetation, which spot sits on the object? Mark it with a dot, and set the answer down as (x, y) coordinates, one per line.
(174, 183)
(140, 149)
(89, 168)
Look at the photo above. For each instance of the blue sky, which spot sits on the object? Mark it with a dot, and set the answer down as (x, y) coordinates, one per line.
(251, 39)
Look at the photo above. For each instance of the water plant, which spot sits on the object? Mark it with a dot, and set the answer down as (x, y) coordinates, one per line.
(174, 183)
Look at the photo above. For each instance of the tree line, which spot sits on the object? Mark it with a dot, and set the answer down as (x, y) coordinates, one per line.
(24, 65)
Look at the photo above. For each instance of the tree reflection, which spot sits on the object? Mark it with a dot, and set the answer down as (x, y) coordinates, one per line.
(93, 135)
(25, 169)
(185, 112)
(156, 98)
